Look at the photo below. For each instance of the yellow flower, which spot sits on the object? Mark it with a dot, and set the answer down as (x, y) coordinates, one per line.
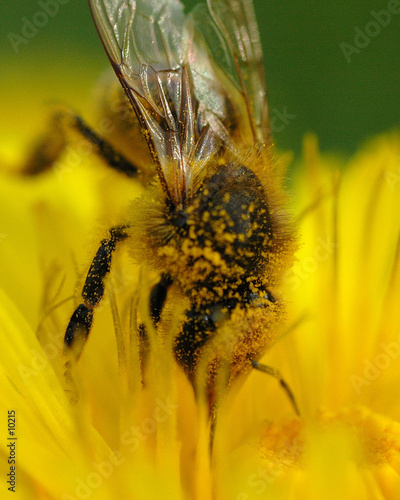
(341, 354)
(90, 430)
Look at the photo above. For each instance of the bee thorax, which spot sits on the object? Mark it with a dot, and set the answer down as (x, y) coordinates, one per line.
(224, 233)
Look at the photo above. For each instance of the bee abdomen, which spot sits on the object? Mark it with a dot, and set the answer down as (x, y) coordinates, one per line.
(201, 325)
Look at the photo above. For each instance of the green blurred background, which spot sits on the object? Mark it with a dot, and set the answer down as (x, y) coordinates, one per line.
(311, 84)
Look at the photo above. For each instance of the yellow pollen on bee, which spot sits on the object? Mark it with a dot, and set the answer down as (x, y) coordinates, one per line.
(206, 216)
(226, 198)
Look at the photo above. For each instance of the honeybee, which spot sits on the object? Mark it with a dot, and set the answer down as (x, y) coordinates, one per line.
(212, 221)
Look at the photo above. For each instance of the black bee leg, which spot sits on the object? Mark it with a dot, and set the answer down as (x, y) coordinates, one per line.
(104, 149)
(80, 323)
(49, 148)
(158, 296)
(275, 373)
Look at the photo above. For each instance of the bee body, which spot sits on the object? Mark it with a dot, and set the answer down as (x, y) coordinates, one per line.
(224, 249)
(212, 220)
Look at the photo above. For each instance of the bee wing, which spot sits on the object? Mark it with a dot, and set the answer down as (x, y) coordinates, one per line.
(195, 83)
(229, 29)
(147, 44)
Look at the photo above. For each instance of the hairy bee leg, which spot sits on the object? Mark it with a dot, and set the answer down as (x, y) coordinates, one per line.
(104, 149)
(157, 298)
(158, 295)
(80, 323)
(276, 374)
(47, 149)
(51, 145)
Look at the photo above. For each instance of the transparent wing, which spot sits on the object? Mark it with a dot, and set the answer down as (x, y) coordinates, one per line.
(233, 41)
(147, 44)
(196, 84)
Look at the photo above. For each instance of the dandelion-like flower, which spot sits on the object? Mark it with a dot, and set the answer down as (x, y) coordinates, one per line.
(100, 428)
